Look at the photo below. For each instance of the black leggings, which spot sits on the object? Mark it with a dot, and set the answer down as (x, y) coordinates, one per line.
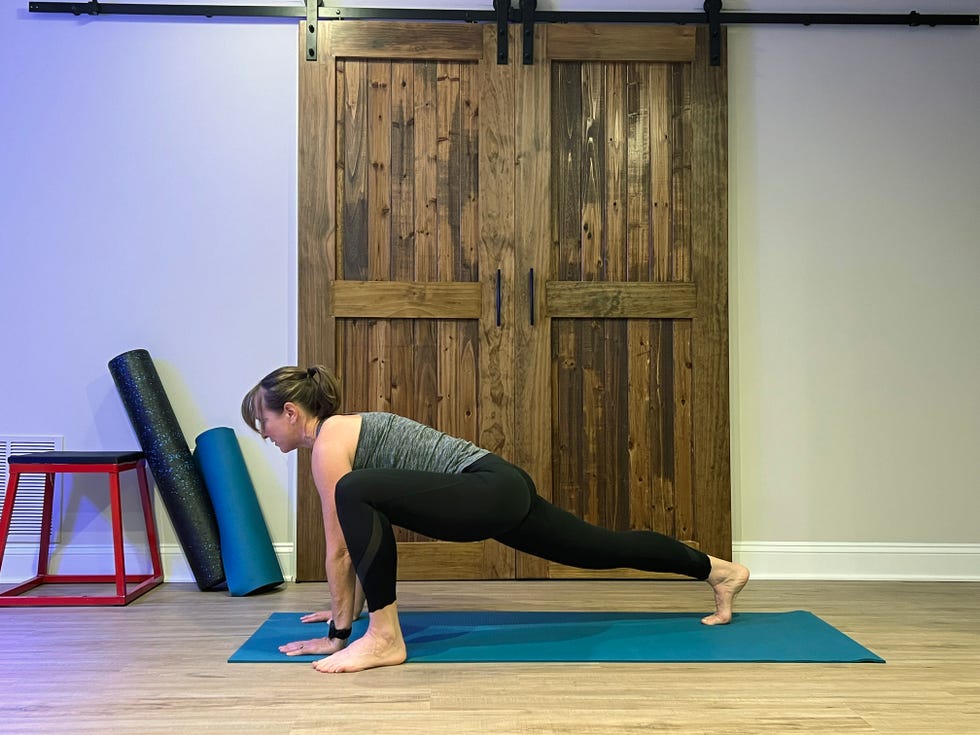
(490, 499)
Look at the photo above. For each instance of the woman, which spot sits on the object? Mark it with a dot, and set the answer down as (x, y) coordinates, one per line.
(375, 470)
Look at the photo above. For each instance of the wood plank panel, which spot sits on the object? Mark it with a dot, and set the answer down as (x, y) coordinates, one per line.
(592, 235)
(377, 345)
(406, 40)
(404, 342)
(615, 42)
(379, 175)
(355, 161)
(447, 167)
(448, 185)
(497, 233)
(661, 378)
(709, 267)
(469, 161)
(567, 137)
(426, 172)
(447, 364)
(590, 358)
(531, 391)
(685, 502)
(681, 149)
(621, 299)
(661, 171)
(403, 171)
(616, 195)
(316, 257)
(614, 467)
(398, 299)
(642, 423)
(638, 184)
(567, 400)
(467, 380)
(466, 396)
(421, 559)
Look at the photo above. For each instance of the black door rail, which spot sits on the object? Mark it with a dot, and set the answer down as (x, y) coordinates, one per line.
(503, 14)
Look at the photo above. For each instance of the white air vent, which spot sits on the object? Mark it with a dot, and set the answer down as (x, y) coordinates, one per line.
(26, 526)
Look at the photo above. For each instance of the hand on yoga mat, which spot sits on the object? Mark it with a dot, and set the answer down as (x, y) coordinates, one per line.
(321, 616)
(318, 646)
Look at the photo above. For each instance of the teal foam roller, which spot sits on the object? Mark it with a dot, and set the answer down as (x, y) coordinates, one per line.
(247, 552)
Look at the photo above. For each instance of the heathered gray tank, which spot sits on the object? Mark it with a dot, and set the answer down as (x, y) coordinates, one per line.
(389, 441)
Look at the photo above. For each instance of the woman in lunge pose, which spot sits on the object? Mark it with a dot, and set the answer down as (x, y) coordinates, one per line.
(375, 470)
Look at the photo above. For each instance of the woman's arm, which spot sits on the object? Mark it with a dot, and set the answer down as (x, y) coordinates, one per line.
(331, 461)
(324, 616)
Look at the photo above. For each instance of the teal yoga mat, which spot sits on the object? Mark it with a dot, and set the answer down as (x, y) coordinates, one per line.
(458, 637)
(249, 558)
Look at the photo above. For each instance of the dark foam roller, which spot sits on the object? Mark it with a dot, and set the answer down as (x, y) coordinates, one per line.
(177, 476)
(247, 552)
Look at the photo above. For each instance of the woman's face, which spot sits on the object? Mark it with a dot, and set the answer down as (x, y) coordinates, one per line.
(281, 428)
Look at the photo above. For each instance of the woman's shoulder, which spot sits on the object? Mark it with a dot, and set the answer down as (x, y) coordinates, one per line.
(340, 431)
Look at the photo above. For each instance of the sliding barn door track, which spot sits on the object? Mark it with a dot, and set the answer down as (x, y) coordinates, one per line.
(502, 14)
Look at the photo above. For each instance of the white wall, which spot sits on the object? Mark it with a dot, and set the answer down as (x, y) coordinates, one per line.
(148, 200)
(855, 255)
(148, 197)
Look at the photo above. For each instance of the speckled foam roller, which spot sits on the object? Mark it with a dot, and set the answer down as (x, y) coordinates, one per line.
(176, 474)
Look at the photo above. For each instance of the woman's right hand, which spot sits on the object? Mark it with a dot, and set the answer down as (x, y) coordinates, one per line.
(314, 646)
(322, 616)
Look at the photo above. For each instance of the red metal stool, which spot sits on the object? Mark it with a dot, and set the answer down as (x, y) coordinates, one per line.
(50, 463)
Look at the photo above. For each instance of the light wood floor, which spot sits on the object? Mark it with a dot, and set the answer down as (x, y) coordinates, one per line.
(158, 666)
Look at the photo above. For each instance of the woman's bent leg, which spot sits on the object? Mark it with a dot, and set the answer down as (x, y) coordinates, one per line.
(476, 504)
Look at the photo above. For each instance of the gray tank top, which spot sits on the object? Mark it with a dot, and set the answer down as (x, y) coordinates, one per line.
(389, 441)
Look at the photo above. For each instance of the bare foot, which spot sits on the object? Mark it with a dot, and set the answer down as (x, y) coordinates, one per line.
(726, 579)
(381, 645)
(368, 652)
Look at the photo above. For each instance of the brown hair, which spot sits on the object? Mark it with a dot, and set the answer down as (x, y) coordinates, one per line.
(315, 389)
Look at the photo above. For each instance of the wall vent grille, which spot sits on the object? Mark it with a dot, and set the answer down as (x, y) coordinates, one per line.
(26, 525)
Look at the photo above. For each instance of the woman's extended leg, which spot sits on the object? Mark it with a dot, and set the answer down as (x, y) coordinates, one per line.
(556, 535)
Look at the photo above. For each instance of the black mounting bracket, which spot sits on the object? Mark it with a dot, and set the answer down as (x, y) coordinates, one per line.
(501, 8)
(312, 18)
(528, 8)
(712, 11)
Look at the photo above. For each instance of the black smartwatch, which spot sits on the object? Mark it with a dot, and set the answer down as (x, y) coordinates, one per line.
(341, 634)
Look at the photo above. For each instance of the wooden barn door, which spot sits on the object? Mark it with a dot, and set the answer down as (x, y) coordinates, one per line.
(622, 147)
(518, 255)
(399, 250)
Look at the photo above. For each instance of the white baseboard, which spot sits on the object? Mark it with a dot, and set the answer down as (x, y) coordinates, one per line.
(176, 568)
(20, 561)
(767, 560)
(860, 561)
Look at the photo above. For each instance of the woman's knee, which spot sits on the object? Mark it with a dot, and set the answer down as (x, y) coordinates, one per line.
(348, 492)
